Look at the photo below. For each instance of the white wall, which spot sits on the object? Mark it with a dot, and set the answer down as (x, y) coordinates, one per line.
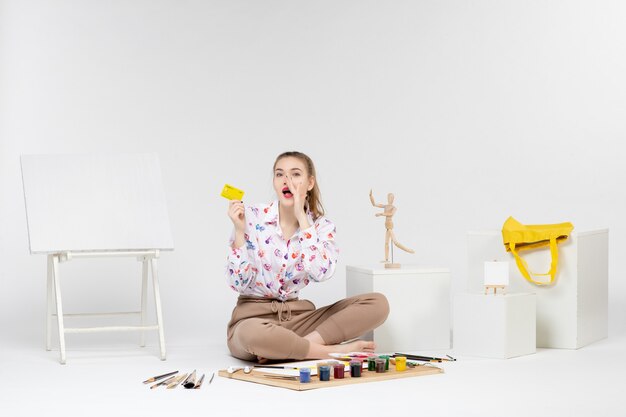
(468, 110)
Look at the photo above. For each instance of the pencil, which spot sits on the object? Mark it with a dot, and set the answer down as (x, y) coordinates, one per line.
(275, 367)
(156, 378)
(165, 381)
(284, 367)
(282, 377)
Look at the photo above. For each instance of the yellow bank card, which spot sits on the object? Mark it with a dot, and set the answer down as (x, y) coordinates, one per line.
(231, 192)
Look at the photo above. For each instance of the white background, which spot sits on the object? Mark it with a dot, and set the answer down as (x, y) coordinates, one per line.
(469, 111)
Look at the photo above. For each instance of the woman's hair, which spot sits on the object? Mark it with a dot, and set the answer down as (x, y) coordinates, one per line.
(314, 197)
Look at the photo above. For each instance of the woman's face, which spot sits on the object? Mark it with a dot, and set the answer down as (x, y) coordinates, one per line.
(295, 169)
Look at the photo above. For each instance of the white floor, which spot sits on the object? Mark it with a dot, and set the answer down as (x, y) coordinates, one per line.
(101, 380)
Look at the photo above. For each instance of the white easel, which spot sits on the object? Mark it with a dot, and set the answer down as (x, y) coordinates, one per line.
(148, 260)
(101, 184)
(496, 277)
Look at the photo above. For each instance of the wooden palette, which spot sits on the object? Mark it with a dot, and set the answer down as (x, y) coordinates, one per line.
(258, 376)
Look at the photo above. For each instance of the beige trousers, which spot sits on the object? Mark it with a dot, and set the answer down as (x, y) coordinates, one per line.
(273, 329)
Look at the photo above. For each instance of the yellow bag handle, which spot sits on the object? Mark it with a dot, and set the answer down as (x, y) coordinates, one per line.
(523, 266)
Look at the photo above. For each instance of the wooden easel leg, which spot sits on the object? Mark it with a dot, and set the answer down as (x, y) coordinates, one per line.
(59, 304)
(144, 298)
(157, 304)
(49, 308)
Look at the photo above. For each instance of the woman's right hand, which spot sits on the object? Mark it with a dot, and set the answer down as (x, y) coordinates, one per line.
(237, 215)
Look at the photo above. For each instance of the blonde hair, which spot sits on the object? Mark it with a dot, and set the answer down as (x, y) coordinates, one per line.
(314, 197)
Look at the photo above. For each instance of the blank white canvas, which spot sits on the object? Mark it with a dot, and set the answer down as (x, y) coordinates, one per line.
(95, 202)
(496, 273)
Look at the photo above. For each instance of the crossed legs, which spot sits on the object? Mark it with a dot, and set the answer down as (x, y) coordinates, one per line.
(312, 334)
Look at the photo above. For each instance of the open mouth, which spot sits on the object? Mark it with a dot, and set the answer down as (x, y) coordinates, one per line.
(287, 193)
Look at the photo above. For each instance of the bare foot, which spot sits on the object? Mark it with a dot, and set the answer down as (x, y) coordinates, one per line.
(318, 351)
(261, 360)
(357, 346)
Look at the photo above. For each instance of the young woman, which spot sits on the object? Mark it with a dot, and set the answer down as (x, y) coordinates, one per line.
(276, 250)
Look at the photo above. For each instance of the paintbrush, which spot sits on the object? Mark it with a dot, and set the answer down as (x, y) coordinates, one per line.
(425, 358)
(190, 381)
(199, 383)
(176, 381)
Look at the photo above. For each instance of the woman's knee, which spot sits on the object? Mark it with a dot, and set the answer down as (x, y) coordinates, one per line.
(251, 334)
(381, 304)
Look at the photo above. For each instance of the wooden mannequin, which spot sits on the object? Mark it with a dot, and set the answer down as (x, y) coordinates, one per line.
(388, 211)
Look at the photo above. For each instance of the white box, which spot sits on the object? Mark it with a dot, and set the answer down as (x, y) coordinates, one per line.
(419, 304)
(494, 326)
(574, 311)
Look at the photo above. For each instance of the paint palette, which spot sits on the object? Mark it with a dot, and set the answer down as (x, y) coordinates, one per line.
(362, 356)
(259, 376)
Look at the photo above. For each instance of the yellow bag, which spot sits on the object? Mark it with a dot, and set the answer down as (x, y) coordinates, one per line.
(518, 237)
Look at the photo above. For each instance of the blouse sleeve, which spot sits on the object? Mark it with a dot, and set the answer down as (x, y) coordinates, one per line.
(240, 269)
(319, 252)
